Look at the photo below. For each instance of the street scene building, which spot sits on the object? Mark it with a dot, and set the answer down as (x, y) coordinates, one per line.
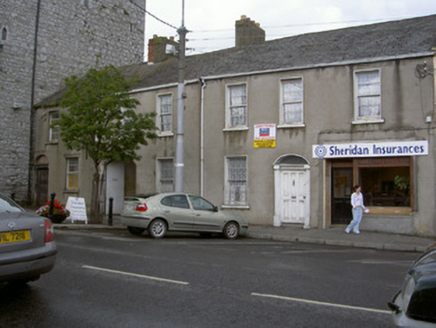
(41, 43)
(280, 131)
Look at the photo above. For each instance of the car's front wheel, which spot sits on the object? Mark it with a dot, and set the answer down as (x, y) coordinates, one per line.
(231, 230)
(135, 231)
(157, 228)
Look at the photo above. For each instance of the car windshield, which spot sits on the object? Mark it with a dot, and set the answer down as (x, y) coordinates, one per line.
(7, 206)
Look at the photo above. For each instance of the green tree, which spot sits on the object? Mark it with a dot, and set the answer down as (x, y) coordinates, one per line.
(101, 121)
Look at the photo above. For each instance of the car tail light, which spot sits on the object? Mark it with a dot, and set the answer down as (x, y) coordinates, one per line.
(141, 207)
(49, 234)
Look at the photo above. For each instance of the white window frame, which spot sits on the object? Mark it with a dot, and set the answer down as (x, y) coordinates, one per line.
(283, 103)
(376, 92)
(231, 188)
(161, 180)
(53, 132)
(71, 172)
(160, 115)
(230, 106)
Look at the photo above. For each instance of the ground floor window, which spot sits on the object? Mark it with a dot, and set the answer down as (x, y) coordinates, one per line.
(387, 185)
(72, 173)
(236, 181)
(165, 175)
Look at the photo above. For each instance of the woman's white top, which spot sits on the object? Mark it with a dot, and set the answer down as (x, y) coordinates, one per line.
(357, 200)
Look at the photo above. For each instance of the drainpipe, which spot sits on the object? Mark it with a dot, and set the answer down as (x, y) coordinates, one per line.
(32, 103)
(203, 87)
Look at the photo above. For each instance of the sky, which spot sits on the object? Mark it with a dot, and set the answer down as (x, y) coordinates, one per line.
(211, 23)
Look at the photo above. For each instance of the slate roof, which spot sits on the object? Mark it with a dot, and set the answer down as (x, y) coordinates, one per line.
(395, 39)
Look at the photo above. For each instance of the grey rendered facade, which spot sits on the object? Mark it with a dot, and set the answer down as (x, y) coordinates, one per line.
(357, 86)
(42, 42)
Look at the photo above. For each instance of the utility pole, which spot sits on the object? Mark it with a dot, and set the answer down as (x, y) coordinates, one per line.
(181, 95)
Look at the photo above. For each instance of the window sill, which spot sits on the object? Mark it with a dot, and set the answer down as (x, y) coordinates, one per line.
(72, 191)
(369, 121)
(242, 128)
(291, 126)
(236, 207)
(165, 134)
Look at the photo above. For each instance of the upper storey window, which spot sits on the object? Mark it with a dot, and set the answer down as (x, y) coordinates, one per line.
(367, 96)
(236, 109)
(3, 35)
(165, 114)
(291, 111)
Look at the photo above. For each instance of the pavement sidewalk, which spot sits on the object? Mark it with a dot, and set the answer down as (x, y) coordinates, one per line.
(295, 233)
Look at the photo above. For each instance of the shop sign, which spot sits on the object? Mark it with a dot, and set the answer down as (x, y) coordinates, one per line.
(373, 149)
(265, 136)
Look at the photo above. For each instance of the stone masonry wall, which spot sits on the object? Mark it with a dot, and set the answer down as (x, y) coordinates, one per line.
(70, 36)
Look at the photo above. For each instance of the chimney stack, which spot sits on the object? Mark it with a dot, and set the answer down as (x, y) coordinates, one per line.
(248, 32)
(157, 48)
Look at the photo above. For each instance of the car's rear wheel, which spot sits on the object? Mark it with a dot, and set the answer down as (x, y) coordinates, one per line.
(157, 228)
(231, 230)
(135, 231)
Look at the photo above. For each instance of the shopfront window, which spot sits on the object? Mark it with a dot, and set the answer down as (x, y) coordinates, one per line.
(386, 186)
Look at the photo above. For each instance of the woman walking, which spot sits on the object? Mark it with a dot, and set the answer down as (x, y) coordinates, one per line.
(358, 207)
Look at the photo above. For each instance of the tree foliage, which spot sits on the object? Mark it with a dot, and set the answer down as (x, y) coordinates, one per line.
(101, 120)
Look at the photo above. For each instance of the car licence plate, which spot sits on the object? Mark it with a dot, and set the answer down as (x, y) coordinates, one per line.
(14, 236)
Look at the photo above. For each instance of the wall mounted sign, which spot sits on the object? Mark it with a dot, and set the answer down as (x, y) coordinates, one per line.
(265, 136)
(371, 149)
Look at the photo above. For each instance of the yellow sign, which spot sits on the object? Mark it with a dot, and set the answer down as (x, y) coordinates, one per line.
(265, 143)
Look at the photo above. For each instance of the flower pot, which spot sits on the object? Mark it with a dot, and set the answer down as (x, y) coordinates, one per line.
(58, 218)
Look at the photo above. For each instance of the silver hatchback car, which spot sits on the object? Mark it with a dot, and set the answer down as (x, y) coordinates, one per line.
(27, 246)
(164, 212)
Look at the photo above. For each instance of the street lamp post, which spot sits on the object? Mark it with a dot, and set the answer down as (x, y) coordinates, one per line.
(181, 95)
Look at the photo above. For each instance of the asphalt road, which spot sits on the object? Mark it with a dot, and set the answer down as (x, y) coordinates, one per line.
(114, 279)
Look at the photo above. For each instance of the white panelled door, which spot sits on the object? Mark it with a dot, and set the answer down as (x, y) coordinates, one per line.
(293, 196)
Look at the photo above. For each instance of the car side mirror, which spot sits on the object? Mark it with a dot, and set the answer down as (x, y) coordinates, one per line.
(394, 307)
(215, 208)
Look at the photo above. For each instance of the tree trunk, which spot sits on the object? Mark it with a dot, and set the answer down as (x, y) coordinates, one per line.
(95, 200)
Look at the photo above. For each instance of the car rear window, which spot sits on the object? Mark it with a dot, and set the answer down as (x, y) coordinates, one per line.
(7, 206)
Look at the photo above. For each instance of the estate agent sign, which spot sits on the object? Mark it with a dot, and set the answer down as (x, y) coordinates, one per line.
(371, 149)
(265, 136)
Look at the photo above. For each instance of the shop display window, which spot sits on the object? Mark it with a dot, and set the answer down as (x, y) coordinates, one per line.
(386, 186)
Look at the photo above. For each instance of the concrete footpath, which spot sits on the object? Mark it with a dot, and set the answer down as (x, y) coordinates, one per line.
(334, 236)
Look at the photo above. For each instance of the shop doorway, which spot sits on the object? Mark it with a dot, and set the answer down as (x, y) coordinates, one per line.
(342, 184)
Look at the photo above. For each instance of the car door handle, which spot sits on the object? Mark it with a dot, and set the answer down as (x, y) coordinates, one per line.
(167, 211)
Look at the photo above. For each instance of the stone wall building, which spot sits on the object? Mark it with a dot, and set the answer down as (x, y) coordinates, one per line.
(41, 43)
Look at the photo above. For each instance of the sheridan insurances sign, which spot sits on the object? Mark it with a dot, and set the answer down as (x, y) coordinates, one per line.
(371, 149)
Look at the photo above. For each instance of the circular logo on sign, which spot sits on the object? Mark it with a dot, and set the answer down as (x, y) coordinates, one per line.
(320, 151)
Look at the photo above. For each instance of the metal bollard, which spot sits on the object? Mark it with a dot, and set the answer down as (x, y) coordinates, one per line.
(51, 208)
(111, 204)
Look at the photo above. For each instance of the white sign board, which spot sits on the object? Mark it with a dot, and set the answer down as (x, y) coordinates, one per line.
(371, 149)
(77, 208)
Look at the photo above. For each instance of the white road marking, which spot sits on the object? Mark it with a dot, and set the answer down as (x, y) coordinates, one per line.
(136, 275)
(349, 307)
